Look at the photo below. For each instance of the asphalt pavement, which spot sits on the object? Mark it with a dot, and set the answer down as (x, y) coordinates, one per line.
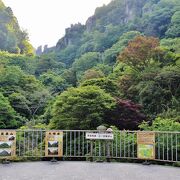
(69, 170)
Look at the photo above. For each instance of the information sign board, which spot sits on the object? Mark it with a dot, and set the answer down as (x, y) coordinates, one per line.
(54, 144)
(105, 136)
(146, 145)
(7, 143)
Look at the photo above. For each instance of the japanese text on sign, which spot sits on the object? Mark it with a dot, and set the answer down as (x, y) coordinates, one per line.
(108, 136)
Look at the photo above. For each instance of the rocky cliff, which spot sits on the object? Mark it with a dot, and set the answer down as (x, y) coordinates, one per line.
(109, 22)
(118, 12)
(72, 36)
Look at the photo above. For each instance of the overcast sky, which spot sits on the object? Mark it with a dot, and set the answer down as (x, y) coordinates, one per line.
(46, 20)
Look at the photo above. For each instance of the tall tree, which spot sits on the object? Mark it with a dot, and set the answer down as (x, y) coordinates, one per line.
(81, 108)
(139, 52)
(8, 116)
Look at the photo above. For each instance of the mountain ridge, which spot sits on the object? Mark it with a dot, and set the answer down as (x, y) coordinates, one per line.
(109, 22)
(12, 38)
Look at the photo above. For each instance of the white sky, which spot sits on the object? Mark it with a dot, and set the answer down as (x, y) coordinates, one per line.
(46, 20)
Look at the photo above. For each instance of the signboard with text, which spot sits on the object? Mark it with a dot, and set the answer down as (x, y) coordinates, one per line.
(146, 145)
(54, 144)
(7, 143)
(103, 136)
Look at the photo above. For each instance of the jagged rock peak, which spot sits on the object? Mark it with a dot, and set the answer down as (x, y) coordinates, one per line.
(90, 23)
(72, 34)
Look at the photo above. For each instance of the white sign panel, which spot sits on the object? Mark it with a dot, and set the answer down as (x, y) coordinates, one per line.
(105, 136)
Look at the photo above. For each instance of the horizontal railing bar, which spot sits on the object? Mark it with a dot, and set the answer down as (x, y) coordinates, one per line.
(164, 160)
(44, 130)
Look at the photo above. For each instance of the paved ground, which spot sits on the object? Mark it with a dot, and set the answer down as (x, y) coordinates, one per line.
(86, 171)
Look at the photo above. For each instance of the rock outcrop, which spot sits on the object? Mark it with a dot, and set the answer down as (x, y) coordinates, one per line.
(72, 36)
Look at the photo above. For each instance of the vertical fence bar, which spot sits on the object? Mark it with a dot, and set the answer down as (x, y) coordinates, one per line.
(163, 145)
(87, 148)
(104, 148)
(172, 151)
(167, 147)
(116, 143)
(83, 143)
(28, 143)
(120, 153)
(79, 138)
(70, 142)
(124, 144)
(128, 136)
(159, 147)
(133, 143)
(176, 148)
(32, 143)
(66, 143)
(41, 142)
(94, 148)
(37, 134)
(112, 148)
(19, 143)
(74, 143)
(24, 143)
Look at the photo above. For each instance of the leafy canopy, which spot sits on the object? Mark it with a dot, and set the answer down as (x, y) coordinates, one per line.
(81, 108)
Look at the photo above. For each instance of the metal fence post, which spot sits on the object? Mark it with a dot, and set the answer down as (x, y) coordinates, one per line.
(91, 151)
(108, 152)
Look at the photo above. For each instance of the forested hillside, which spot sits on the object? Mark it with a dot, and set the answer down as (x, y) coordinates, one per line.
(122, 68)
(12, 38)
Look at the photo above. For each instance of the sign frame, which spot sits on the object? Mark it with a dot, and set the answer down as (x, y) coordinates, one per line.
(7, 143)
(146, 141)
(54, 144)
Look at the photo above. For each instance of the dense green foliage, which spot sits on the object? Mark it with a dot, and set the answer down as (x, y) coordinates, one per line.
(8, 118)
(121, 68)
(161, 124)
(106, 84)
(81, 108)
(26, 94)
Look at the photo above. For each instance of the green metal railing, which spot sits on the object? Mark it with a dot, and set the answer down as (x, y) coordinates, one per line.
(31, 143)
